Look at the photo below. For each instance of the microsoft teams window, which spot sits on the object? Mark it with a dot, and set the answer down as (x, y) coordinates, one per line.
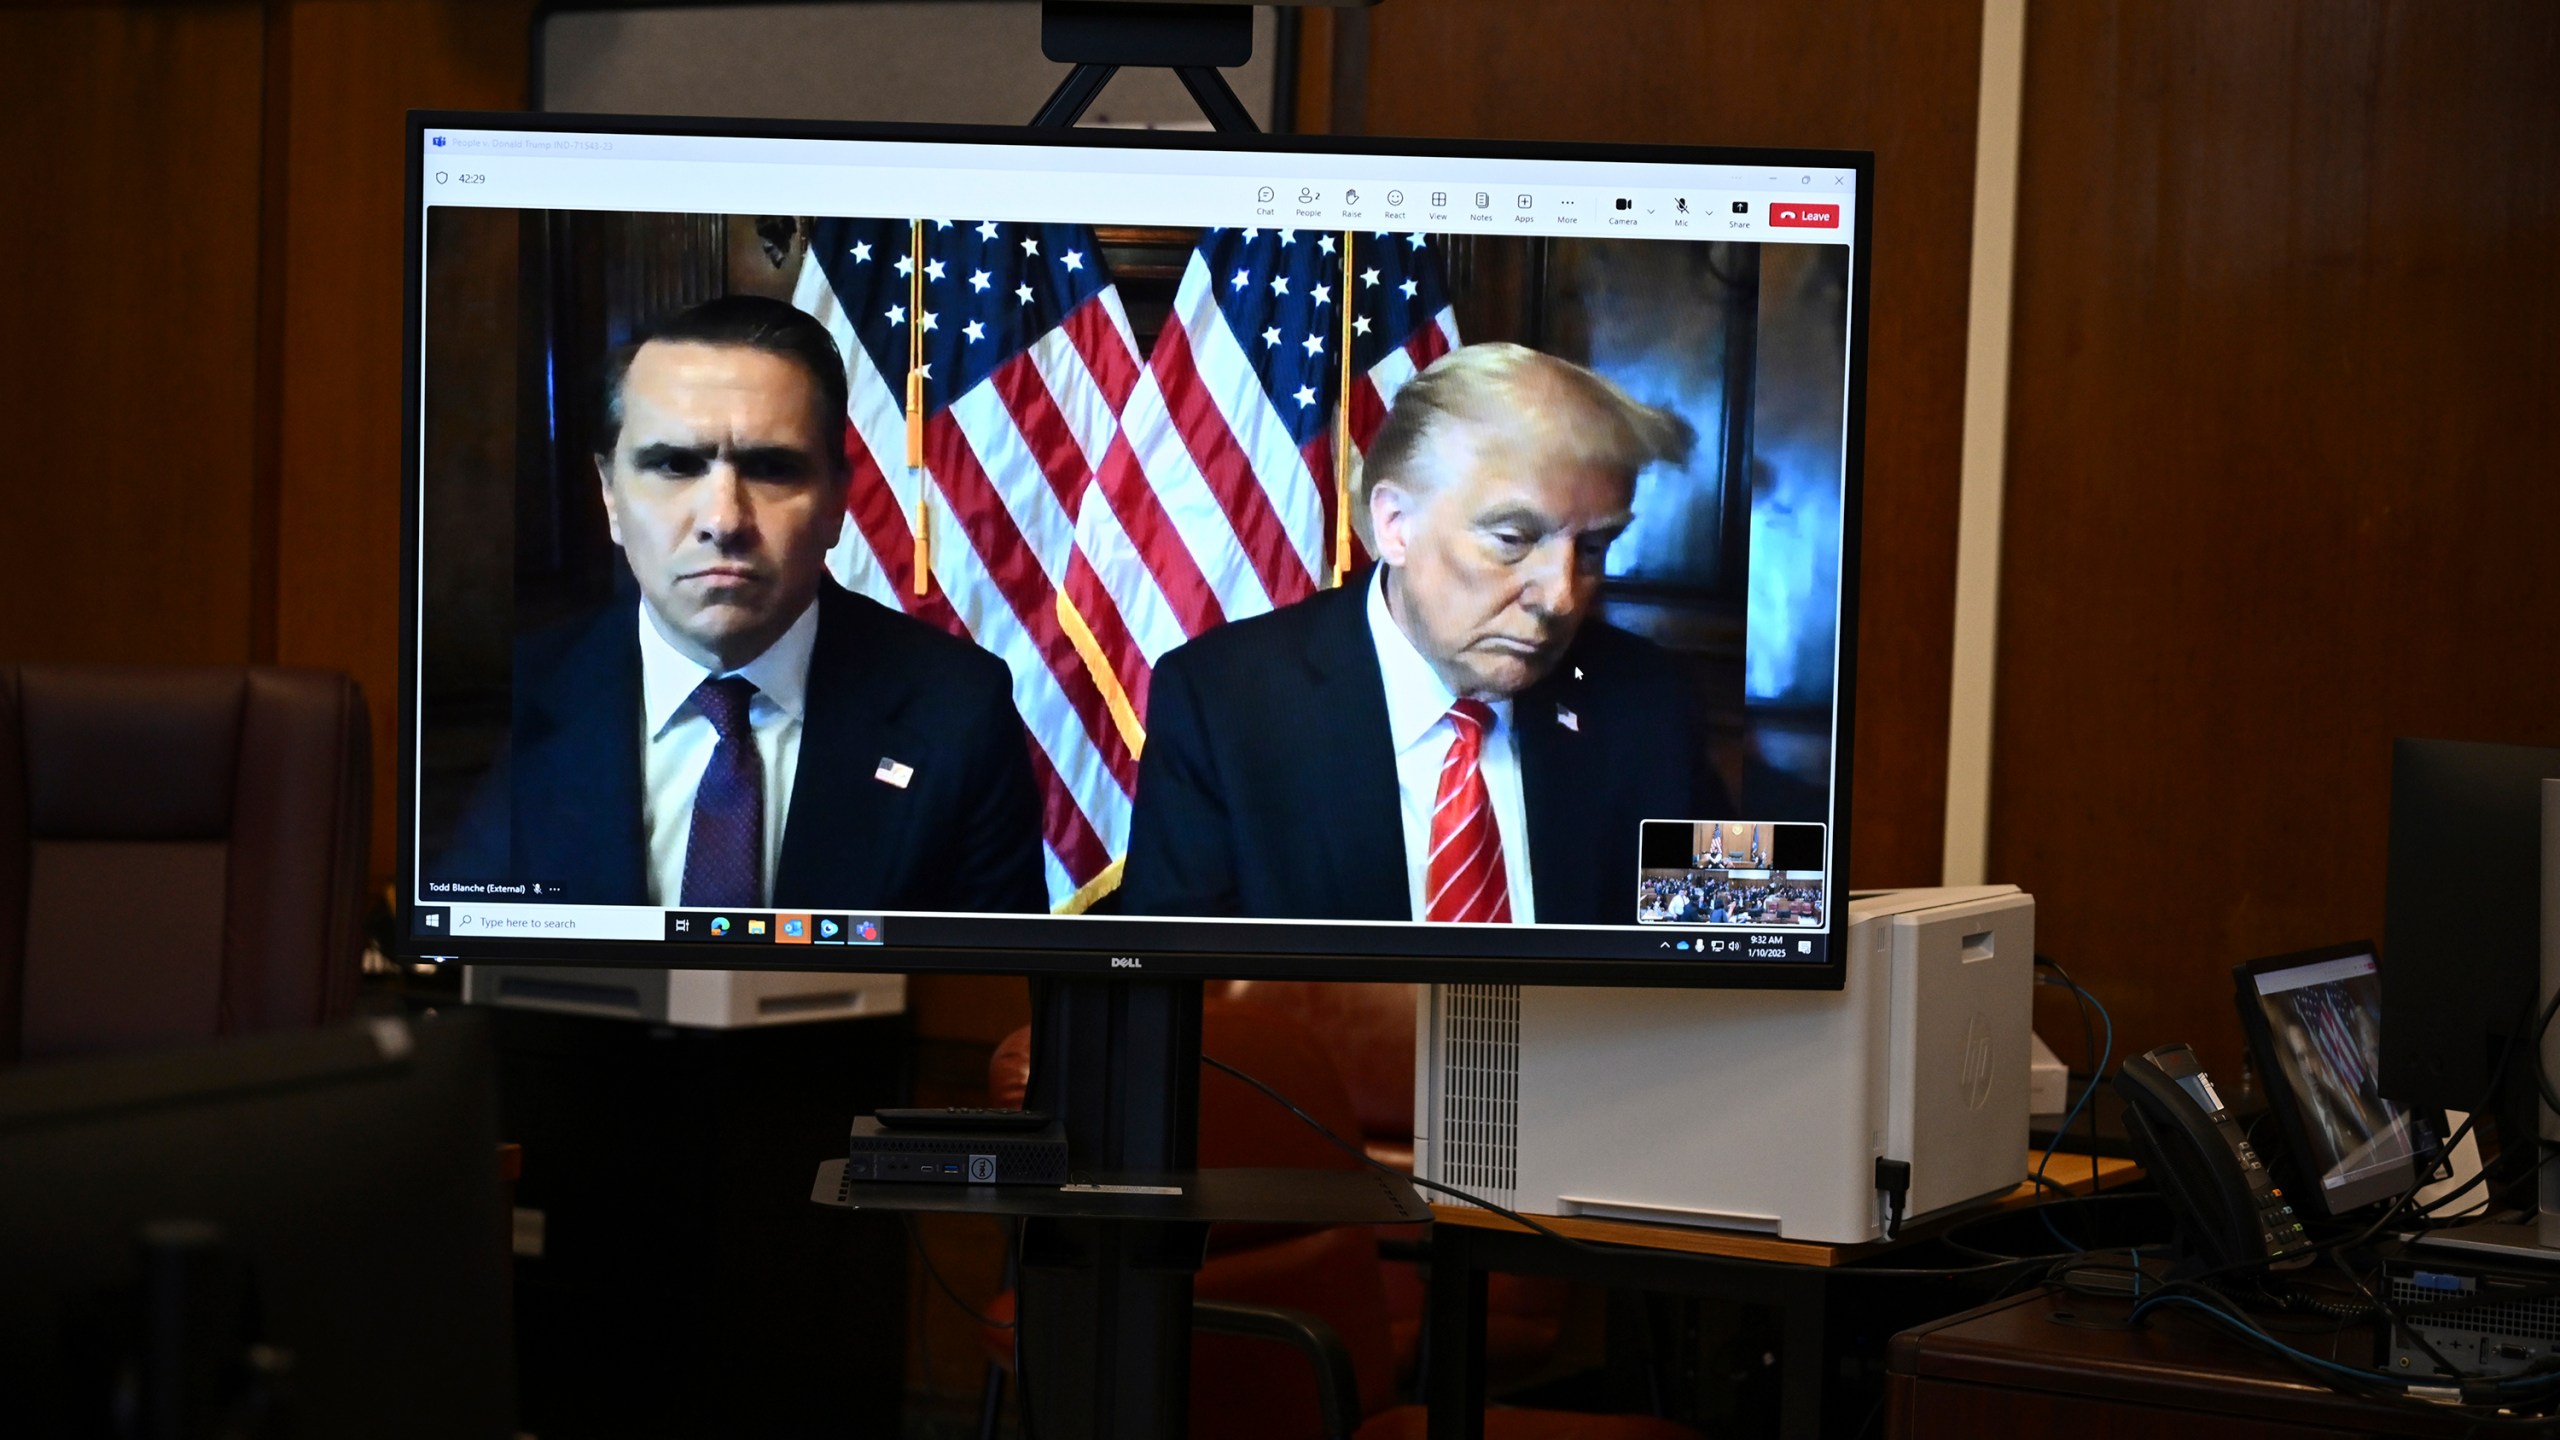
(1145, 549)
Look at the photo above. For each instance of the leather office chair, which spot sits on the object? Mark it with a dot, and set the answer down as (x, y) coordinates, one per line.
(1243, 1385)
(182, 854)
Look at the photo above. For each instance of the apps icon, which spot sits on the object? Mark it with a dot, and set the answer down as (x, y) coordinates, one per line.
(1524, 202)
(719, 925)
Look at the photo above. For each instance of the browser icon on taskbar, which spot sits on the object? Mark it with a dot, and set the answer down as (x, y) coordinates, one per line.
(698, 927)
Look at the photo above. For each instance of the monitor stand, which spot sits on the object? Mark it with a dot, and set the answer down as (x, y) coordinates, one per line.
(1104, 1306)
(1103, 1295)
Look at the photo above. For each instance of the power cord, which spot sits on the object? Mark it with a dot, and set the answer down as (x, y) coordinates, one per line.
(2497, 1082)
(2101, 1056)
(2373, 1384)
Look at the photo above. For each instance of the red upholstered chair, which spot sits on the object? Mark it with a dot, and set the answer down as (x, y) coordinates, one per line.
(182, 854)
(1246, 1386)
(1368, 1032)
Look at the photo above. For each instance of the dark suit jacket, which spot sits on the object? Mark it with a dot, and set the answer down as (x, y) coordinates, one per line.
(1268, 786)
(564, 805)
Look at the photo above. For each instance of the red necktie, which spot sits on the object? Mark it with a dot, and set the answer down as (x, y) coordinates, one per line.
(1465, 880)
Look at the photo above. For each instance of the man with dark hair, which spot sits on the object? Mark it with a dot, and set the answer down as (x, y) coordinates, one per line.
(754, 735)
(1456, 737)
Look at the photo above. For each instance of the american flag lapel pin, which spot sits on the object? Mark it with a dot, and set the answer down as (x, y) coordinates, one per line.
(1568, 720)
(894, 772)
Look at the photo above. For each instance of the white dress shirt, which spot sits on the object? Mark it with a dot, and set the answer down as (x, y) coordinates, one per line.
(676, 741)
(1418, 721)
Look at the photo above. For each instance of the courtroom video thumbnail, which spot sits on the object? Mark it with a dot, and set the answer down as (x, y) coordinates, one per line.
(1020, 512)
(1731, 872)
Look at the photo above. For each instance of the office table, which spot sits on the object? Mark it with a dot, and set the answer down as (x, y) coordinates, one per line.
(2052, 1363)
(1793, 1277)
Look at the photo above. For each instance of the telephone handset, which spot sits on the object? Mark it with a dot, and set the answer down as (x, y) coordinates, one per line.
(2216, 1185)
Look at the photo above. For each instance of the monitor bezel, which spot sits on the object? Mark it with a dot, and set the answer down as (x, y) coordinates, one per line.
(2289, 1106)
(1830, 974)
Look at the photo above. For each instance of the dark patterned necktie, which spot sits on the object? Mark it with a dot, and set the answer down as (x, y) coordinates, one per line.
(724, 852)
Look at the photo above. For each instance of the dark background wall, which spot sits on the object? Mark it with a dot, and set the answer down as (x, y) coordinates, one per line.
(2284, 468)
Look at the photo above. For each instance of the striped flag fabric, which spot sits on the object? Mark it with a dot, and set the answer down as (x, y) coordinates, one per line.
(1079, 514)
(1220, 499)
(1025, 357)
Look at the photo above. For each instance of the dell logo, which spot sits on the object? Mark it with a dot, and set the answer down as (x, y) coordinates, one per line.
(1127, 962)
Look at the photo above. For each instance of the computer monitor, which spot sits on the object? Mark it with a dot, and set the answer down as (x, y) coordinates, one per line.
(2314, 1022)
(2461, 944)
(1108, 552)
(299, 1234)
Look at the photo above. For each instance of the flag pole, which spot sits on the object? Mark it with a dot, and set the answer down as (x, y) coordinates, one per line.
(915, 407)
(1342, 431)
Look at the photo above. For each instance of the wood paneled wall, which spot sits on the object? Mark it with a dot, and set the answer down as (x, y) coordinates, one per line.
(204, 301)
(1894, 76)
(131, 311)
(352, 71)
(2284, 468)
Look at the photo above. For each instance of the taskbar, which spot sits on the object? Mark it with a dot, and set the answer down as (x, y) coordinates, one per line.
(506, 921)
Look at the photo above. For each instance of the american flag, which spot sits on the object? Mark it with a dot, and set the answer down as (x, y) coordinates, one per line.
(1083, 515)
(1220, 500)
(2328, 1015)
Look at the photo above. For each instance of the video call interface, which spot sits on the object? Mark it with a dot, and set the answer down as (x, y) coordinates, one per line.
(868, 542)
(2325, 1018)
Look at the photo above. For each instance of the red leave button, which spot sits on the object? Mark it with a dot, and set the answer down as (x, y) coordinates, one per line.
(1790, 215)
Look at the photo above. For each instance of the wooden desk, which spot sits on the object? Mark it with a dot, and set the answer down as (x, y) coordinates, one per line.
(2051, 1363)
(2068, 1172)
(1792, 1277)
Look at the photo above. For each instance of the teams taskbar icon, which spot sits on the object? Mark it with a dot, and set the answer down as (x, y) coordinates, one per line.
(766, 927)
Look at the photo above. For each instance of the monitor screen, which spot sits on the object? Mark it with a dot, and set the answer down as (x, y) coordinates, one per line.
(918, 548)
(2316, 1026)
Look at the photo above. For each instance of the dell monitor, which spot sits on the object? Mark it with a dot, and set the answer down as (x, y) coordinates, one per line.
(1084, 553)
